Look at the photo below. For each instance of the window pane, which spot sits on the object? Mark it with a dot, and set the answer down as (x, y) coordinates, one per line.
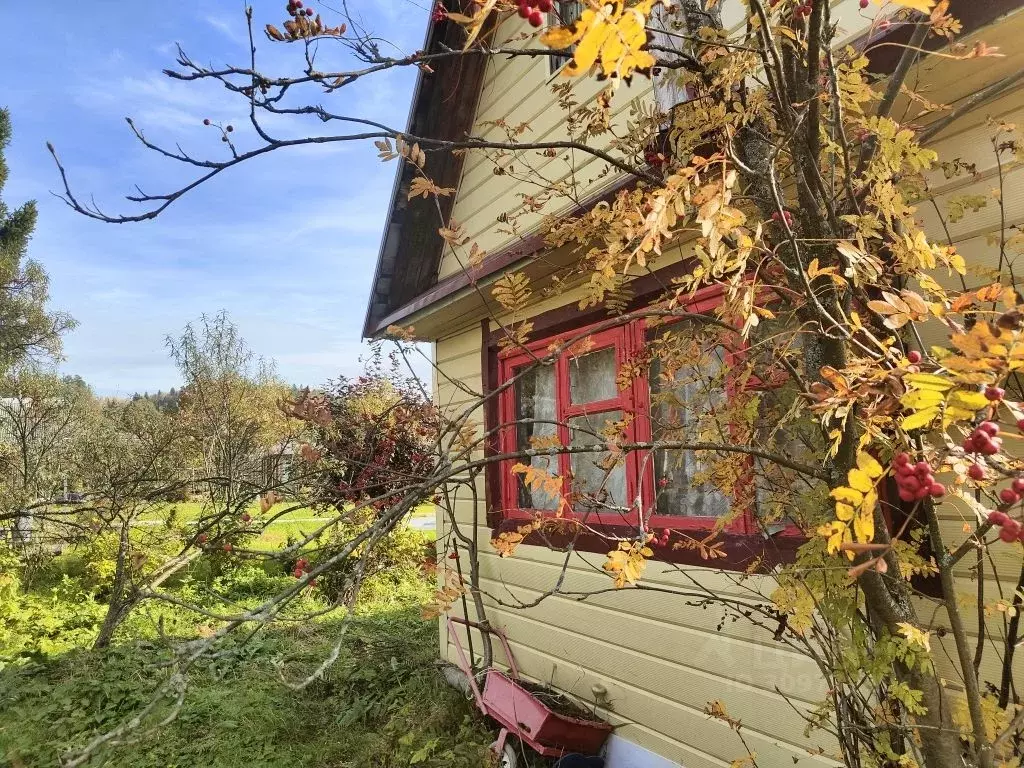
(592, 376)
(565, 13)
(780, 491)
(535, 404)
(664, 27)
(676, 404)
(606, 485)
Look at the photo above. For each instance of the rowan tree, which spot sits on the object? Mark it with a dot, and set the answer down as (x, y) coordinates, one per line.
(793, 181)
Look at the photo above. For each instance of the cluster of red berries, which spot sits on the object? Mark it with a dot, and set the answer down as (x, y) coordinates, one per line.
(301, 567)
(1010, 530)
(295, 8)
(1013, 494)
(654, 158)
(440, 13)
(785, 215)
(984, 439)
(804, 9)
(662, 541)
(915, 481)
(533, 10)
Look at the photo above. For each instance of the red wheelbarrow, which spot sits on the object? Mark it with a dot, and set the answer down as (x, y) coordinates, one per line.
(520, 712)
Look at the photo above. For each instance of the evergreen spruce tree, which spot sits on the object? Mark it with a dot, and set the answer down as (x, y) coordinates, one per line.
(27, 329)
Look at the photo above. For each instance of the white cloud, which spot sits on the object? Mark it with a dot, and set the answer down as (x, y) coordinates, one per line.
(230, 30)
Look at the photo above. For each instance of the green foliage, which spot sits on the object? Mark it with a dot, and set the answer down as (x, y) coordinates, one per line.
(382, 704)
(28, 328)
(41, 625)
(394, 561)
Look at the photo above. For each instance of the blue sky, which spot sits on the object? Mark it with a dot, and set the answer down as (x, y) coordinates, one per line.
(286, 243)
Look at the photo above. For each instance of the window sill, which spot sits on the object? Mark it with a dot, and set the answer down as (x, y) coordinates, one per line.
(751, 552)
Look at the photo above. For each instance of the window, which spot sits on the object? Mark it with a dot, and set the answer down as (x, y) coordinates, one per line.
(581, 400)
(683, 486)
(667, 30)
(565, 12)
(574, 401)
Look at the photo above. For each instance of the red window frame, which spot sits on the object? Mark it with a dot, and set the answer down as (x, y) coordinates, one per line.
(623, 340)
(634, 401)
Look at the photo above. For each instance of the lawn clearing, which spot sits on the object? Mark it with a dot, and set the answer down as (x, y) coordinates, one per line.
(381, 705)
(289, 521)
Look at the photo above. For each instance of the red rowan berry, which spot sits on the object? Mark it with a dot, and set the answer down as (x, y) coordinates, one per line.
(994, 393)
(998, 518)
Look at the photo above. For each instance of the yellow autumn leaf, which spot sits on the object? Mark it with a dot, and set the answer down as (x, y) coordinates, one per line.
(924, 6)
(931, 381)
(919, 419)
(613, 36)
(915, 636)
(627, 563)
(847, 495)
(921, 398)
(967, 400)
(859, 480)
(560, 38)
(837, 534)
(864, 522)
(869, 465)
(844, 512)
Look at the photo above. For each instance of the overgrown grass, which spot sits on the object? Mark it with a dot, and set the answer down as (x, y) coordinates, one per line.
(381, 705)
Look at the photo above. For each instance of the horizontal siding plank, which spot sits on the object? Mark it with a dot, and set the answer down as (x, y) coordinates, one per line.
(457, 345)
(673, 719)
(709, 656)
(987, 219)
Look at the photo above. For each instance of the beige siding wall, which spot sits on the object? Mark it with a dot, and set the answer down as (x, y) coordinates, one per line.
(661, 660)
(975, 236)
(519, 92)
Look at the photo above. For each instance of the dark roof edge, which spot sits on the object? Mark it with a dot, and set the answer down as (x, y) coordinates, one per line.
(397, 186)
(973, 14)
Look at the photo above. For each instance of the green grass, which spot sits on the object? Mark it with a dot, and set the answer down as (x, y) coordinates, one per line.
(382, 704)
(292, 525)
(187, 511)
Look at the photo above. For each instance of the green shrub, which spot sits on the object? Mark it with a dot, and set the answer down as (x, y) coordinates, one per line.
(396, 560)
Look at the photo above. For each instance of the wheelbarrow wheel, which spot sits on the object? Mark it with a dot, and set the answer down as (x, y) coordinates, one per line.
(508, 757)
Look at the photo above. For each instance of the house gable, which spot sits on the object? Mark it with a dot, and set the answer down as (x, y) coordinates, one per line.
(513, 99)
